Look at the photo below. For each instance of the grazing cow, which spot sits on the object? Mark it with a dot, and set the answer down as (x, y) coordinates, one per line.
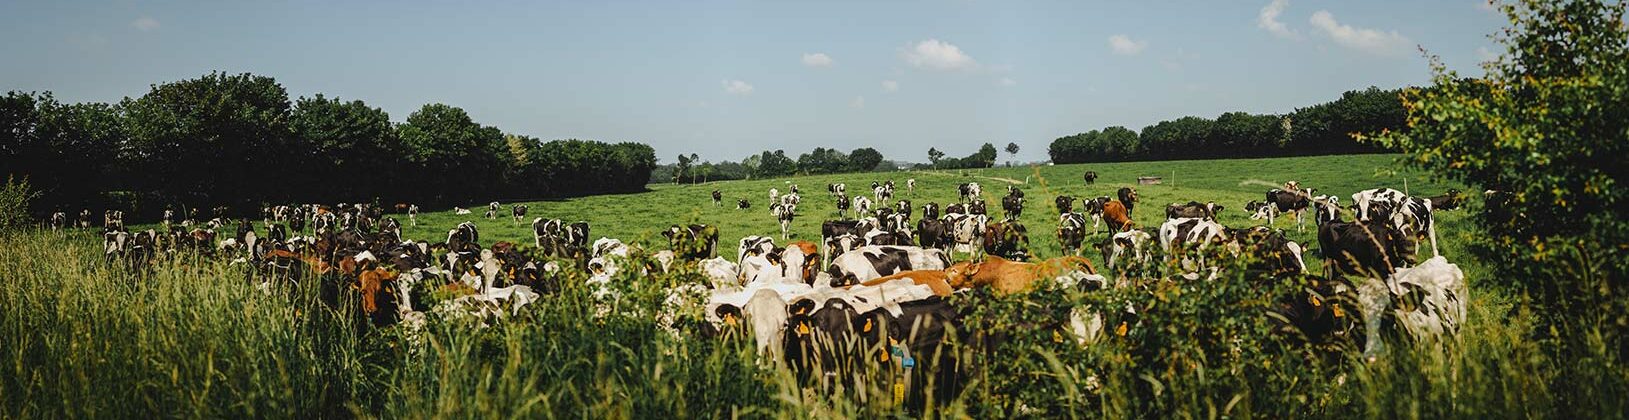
(1131, 244)
(910, 186)
(783, 213)
(1193, 209)
(742, 204)
(1272, 251)
(871, 262)
(1008, 239)
(1008, 277)
(518, 212)
(1117, 216)
(1071, 232)
(1128, 198)
(969, 191)
(1179, 234)
(842, 206)
(1280, 201)
(1012, 206)
(1090, 177)
(693, 242)
(903, 207)
(1413, 218)
(718, 199)
(862, 206)
(930, 211)
(1357, 248)
(837, 189)
(59, 220)
(492, 210)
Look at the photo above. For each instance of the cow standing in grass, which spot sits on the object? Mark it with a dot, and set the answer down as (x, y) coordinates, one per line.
(1090, 177)
(784, 213)
(518, 212)
(718, 199)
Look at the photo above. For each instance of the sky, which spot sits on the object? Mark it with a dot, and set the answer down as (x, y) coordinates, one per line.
(727, 79)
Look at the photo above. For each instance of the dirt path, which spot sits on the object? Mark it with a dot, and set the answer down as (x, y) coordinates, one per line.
(993, 178)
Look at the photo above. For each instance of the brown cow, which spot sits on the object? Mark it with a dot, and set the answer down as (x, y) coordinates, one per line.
(1010, 276)
(378, 289)
(934, 279)
(1117, 216)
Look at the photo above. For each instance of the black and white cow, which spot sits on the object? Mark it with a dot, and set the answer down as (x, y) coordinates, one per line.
(1094, 209)
(1279, 201)
(966, 231)
(969, 191)
(1127, 249)
(742, 204)
(1377, 201)
(492, 209)
(59, 220)
(412, 214)
(933, 233)
(903, 207)
(1071, 232)
(862, 206)
(837, 189)
(1359, 248)
(1090, 177)
(1064, 203)
(910, 186)
(1193, 209)
(1012, 206)
(871, 262)
(518, 212)
(977, 207)
(831, 230)
(1410, 215)
(930, 211)
(718, 199)
(784, 213)
(843, 203)
(754, 246)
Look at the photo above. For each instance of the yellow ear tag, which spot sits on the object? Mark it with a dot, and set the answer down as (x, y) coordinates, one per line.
(803, 329)
(1056, 338)
(867, 327)
(1120, 330)
(1338, 312)
(1314, 300)
(884, 356)
(899, 393)
(729, 319)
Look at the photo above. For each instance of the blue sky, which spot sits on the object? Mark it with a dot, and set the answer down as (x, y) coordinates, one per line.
(726, 79)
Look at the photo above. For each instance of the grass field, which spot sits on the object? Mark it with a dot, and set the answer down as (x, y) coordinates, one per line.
(192, 339)
(638, 218)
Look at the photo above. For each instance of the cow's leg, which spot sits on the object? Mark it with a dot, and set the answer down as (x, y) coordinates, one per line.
(1300, 223)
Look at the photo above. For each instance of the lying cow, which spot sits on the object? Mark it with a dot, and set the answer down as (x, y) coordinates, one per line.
(1007, 277)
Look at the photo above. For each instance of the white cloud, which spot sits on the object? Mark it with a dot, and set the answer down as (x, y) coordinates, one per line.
(934, 54)
(1268, 19)
(1367, 40)
(144, 24)
(737, 87)
(890, 86)
(817, 60)
(857, 103)
(1007, 81)
(1124, 45)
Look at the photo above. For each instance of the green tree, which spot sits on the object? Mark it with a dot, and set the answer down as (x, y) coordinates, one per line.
(864, 159)
(1548, 130)
(454, 158)
(214, 138)
(934, 155)
(346, 141)
(1012, 150)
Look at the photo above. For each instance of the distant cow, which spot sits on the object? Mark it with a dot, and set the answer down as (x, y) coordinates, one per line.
(969, 191)
(843, 203)
(837, 189)
(742, 204)
(518, 212)
(1064, 203)
(1128, 198)
(1090, 177)
(718, 199)
(1193, 209)
(492, 209)
(412, 214)
(59, 220)
(1071, 232)
(1280, 201)
(910, 186)
(783, 213)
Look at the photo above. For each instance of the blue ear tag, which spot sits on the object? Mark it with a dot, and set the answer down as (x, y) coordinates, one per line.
(910, 362)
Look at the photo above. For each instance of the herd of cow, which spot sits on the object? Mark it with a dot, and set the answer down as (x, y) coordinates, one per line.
(874, 286)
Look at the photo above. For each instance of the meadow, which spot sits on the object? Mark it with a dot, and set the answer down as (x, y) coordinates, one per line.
(191, 338)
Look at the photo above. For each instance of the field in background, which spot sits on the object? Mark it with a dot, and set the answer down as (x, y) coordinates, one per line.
(1230, 182)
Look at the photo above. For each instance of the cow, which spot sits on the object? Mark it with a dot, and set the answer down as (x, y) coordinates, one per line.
(1117, 215)
(1128, 198)
(1193, 209)
(783, 213)
(1094, 210)
(113, 220)
(517, 212)
(1413, 217)
(1071, 232)
(1378, 200)
(1007, 239)
(1008, 277)
(460, 211)
(412, 214)
(742, 204)
(910, 186)
(832, 230)
(1181, 234)
(930, 211)
(976, 207)
(753, 246)
(718, 199)
(933, 233)
(774, 195)
(843, 203)
(969, 191)
(883, 193)
(862, 206)
(837, 189)
(871, 262)
(59, 220)
(1358, 248)
(1064, 203)
(84, 219)
(1090, 177)
(1280, 201)
(1012, 206)
(492, 210)
(967, 231)
(693, 242)
(1131, 245)
(1271, 250)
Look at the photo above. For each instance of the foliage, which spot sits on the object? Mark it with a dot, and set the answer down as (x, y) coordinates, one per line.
(1323, 129)
(212, 138)
(1547, 130)
(15, 198)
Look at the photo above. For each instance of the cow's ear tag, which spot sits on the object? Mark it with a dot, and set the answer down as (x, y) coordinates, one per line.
(1314, 300)
(803, 328)
(867, 327)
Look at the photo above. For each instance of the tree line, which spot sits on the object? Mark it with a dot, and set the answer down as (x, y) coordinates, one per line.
(238, 140)
(1315, 130)
(688, 169)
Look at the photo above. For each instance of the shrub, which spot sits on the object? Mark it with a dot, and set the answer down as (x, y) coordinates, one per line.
(15, 198)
